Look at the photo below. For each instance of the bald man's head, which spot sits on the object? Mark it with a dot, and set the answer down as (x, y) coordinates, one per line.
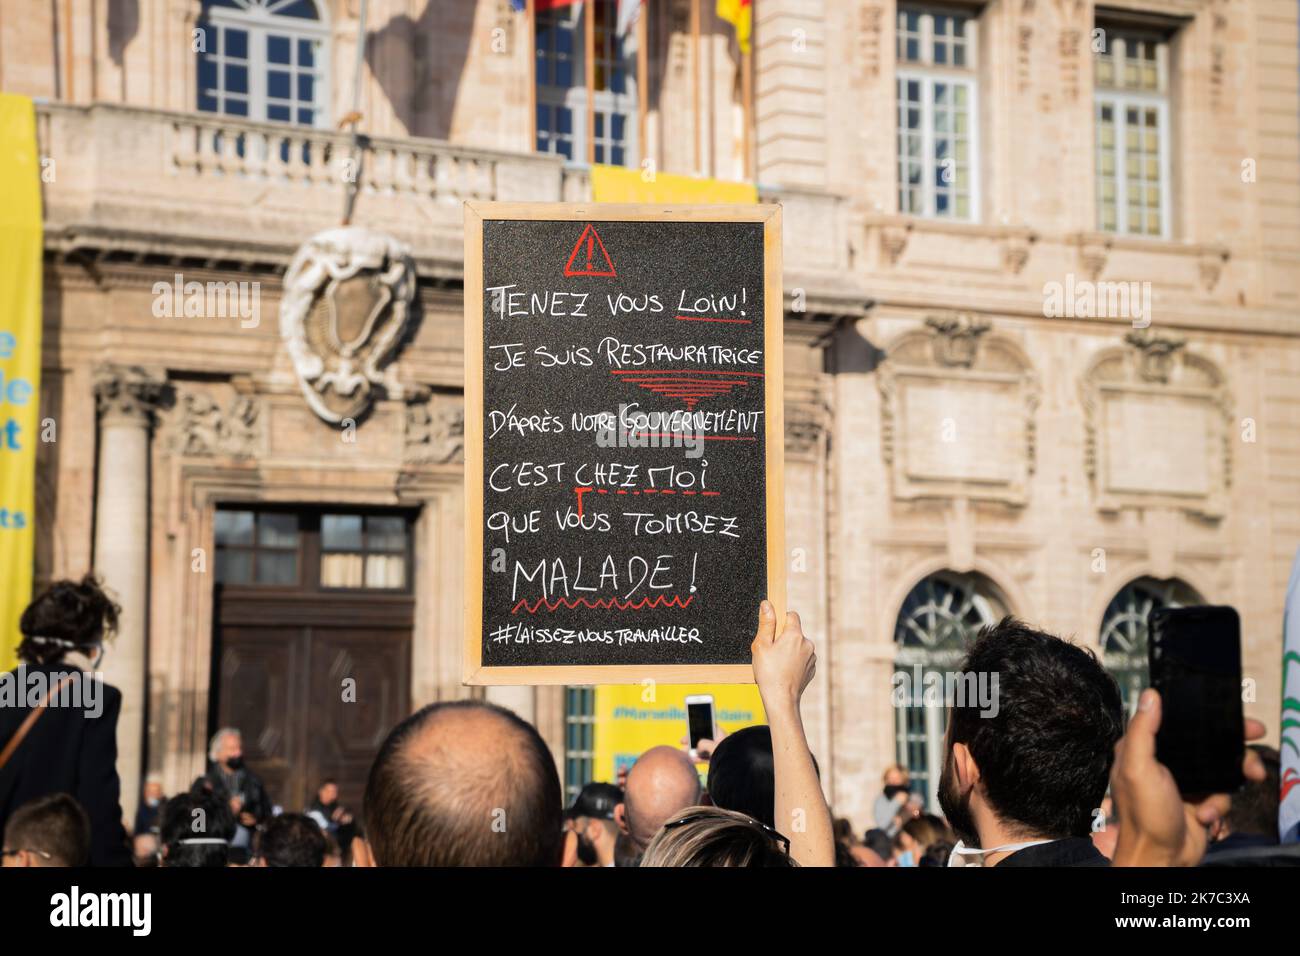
(661, 784)
(463, 783)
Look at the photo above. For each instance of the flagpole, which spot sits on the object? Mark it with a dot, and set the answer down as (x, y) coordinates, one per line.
(529, 12)
(67, 50)
(351, 188)
(695, 91)
(643, 78)
(747, 107)
(589, 54)
(711, 137)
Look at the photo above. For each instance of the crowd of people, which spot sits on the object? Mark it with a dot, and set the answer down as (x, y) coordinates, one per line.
(1052, 777)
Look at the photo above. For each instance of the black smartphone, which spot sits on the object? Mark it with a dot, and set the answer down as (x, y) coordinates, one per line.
(699, 719)
(1195, 659)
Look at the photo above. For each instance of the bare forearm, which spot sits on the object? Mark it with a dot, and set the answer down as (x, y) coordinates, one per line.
(801, 810)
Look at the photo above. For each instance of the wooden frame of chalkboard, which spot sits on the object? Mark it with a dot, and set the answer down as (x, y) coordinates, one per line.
(474, 670)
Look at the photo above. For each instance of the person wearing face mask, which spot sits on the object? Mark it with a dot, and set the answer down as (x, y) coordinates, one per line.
(891, 808)
(59, 734)
(231, 781)
(151, 801)
(591, 822)
(916, 837)
(1030, 744)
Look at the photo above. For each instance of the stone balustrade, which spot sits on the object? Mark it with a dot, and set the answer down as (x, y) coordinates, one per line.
(154, 181)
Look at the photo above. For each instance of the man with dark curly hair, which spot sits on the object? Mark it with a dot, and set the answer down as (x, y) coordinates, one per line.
(1031, 740)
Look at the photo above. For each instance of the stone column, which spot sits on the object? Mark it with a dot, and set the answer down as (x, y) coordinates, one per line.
(522, 700)
(126, 398)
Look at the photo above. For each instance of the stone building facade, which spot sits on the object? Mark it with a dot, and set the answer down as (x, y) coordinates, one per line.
(1042, 335)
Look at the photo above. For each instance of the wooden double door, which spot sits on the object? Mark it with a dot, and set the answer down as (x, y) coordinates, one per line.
(312, 650)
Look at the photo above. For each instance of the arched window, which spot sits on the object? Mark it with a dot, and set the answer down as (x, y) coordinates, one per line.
(1124, 630)
(264, 60)
(938, 620)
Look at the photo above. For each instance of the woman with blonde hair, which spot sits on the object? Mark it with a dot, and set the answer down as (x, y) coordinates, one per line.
(710, 836)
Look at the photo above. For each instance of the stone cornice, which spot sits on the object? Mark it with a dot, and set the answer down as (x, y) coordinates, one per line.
(125, 255)
(1201, 318)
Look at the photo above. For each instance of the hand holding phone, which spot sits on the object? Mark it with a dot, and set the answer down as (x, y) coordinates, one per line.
(1158, 826)
(1195, 661)
(700, 720)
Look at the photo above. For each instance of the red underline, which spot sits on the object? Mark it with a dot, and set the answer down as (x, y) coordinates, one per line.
(603, 603)
(679, 371)
(700, 318)
(704, 437)
(663, 380)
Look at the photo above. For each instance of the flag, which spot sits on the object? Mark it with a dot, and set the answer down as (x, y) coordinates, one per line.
(1288, 811)
(628, 11)
(739, 13)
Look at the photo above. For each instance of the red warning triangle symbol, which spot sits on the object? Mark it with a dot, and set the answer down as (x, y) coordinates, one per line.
(589, 257)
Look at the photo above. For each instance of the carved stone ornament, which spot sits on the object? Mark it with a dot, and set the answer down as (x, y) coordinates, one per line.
(957, 338)
(1025, 53)
(129, 393)
(1155, 353)
(871, 18)
(1067, 49)
(893, 241)
(204, 428)
(1094, 251)
(347, 305)
(1015, 253)
(1211, 265)
(435, 432)
(805, 424)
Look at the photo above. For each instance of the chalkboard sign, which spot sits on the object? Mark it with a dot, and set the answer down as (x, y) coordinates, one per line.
(623, 441)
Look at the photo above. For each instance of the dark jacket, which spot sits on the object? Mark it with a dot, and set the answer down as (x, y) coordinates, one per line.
(1074, 851)
(243, 782)
(341, 832)
(147, 817)
(68, 751)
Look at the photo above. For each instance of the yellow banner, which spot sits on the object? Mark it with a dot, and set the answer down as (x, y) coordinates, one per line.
(617, 184)
(631, 718)
(20, 359)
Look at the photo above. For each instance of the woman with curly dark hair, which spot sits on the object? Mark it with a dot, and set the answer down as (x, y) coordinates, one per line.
(58, 720)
